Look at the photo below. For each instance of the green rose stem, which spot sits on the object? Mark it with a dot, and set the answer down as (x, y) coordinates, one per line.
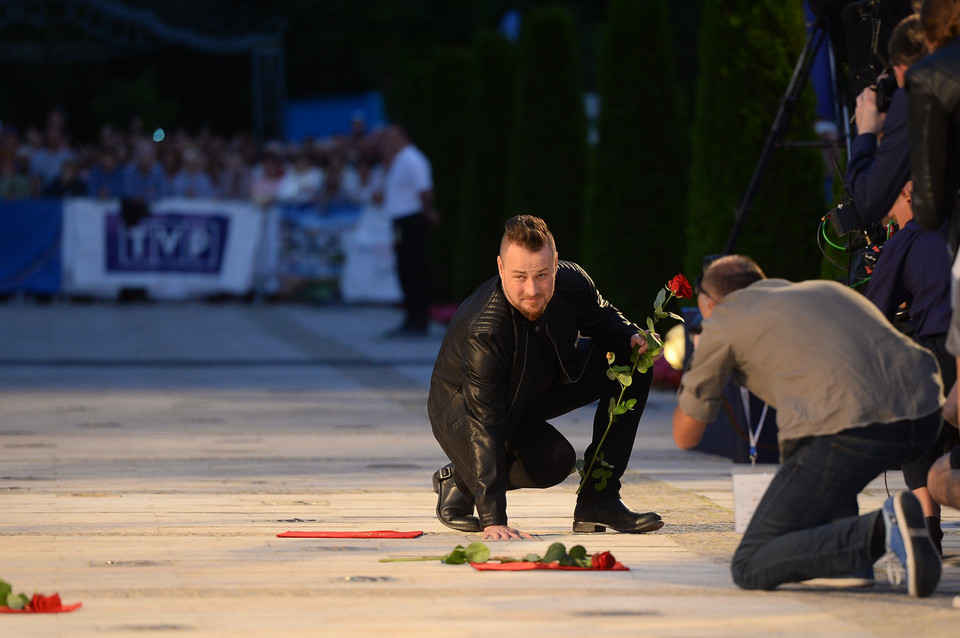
(472, 553)
(480, 553)
(614, 407)
(501, 559)
(411, 560)
(624, 375)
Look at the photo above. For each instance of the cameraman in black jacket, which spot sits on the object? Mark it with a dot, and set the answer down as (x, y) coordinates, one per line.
(525, 347)
(933, 85)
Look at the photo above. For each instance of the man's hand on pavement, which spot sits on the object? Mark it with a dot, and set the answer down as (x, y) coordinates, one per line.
(503, 533)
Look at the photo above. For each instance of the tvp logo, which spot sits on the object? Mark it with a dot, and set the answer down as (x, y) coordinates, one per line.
(167, 243)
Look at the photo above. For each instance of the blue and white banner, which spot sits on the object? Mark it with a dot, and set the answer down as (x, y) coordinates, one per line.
(183, 249)
(167, 243)
(30, 246)
(311, 240)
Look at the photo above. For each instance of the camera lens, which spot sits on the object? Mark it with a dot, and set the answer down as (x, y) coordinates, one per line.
(886, 86)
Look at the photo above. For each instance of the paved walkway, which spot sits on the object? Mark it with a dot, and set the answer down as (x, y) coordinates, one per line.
(150, 454)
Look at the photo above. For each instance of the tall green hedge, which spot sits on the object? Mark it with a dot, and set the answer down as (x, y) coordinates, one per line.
(548, 165)
(748, 49)
(447, 113)
(634, 235)
(484, 205)
(405, 100)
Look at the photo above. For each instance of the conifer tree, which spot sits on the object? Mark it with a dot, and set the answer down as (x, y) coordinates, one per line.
(635, 230)
(748, 49)
(549, 158)
(484, 204)
(443, 142)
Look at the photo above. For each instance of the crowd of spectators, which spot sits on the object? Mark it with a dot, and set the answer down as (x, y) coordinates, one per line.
(133, 163)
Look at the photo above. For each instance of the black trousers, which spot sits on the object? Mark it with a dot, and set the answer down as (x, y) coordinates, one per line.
(411, 241)
(915, 472)
(538, 455)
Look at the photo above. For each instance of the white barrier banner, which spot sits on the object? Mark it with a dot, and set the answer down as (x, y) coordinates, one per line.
(184, 248)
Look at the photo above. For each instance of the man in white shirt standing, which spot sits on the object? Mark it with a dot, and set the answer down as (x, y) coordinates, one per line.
(408, 202)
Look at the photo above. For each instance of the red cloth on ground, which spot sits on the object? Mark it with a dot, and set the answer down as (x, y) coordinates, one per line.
(41, 604)
(385, 533)
(520, 566)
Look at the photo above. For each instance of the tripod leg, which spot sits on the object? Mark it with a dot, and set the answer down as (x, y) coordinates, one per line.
(788, 103)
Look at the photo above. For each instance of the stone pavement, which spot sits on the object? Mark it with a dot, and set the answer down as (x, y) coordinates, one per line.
(150, 454)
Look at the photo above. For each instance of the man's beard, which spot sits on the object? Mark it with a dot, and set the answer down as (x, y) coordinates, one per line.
(535, 314)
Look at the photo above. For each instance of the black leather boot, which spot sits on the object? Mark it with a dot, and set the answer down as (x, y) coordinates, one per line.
(454, 507)
(597, 516)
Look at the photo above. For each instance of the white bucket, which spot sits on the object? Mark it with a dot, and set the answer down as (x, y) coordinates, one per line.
(749, 485)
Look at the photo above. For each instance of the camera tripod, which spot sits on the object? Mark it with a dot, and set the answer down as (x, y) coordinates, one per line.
(817, 37)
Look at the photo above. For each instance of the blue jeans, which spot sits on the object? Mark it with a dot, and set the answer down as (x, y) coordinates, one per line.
(803, 527)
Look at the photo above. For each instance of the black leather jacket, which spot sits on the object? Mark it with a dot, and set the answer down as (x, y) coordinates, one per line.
(933, 85)
(493, 362)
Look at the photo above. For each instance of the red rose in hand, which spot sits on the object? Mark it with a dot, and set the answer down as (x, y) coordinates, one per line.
(680, 287)
(603, 560)
(39, 602)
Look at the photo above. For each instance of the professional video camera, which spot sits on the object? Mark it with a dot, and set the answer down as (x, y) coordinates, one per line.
(864, 249)
(871, 23)
(864, 243)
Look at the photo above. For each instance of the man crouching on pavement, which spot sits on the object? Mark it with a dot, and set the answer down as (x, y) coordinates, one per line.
(525, 347)
(854, 398)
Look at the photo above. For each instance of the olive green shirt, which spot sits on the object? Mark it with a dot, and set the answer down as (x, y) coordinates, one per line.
(819, 353)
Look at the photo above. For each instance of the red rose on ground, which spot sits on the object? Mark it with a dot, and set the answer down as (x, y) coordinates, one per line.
(603, 560)
(680, 287)
(39, 602)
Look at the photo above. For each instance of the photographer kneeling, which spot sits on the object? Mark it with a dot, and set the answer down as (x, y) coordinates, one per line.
(836, 372)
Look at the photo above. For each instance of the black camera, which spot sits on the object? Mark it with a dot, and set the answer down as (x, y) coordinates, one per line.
(865, 240)
(886, 86)
(845, 220)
